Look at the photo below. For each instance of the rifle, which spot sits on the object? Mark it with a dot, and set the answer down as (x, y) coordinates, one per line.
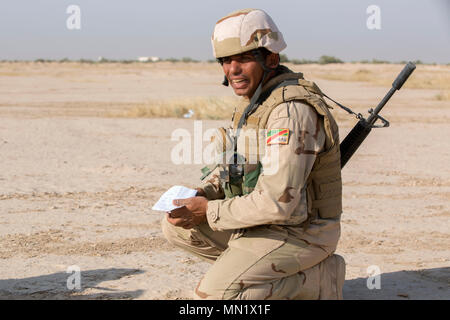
(362, 129)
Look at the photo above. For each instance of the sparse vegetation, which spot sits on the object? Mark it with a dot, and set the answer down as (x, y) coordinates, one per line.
(443, 96)
(329, 59)
(376, 61)
(302, 61)
(43, 60)
(425, 76)
(217, 105)
(188, 59)
(203, 108)
(283, 59)
(322, 60)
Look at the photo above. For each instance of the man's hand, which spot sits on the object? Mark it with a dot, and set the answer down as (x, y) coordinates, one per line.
(191, 214)
(200, 192)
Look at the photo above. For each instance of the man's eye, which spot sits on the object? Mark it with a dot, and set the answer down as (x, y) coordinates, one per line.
(247, 58)
(226, 60)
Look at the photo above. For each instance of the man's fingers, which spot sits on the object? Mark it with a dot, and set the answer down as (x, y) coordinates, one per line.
(179, 202)
(180, 212)
(182, 223)
(178, 222)
(188, 226)
(200, 192)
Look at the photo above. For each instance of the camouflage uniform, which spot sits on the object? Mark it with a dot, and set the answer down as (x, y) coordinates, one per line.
(275, 238)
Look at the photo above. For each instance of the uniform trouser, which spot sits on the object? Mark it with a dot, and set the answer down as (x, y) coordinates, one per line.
(263, 263)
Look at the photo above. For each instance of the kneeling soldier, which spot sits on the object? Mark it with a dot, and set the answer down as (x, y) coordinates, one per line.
(269, 233)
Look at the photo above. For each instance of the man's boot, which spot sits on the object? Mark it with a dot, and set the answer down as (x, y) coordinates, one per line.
(332, 277)
(324, 281)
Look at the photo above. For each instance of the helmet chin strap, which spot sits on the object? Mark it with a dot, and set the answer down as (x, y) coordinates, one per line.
(225, 81)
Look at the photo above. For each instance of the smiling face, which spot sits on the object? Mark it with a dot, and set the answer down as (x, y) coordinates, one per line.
(244, 73)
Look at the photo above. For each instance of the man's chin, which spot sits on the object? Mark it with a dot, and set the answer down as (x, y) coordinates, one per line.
(241, 92)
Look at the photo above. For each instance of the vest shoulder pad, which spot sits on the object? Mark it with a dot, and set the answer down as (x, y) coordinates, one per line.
(302, 91)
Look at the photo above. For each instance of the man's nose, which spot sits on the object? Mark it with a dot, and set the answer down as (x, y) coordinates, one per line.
(235, 67)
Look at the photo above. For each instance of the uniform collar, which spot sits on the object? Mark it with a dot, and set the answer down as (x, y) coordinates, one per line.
(282, 74)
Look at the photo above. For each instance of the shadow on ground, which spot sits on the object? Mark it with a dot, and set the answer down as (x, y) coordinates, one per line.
(54, 286)
(421, 284)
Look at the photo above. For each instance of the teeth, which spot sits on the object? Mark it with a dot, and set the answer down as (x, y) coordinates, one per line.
(237, 81)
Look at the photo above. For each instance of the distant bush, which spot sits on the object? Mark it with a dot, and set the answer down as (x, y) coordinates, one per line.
(86, 61)
(188, 59)
(302, 61)
(284, 58)
(184, 59)
(329, 59)
(43, 60)
(376, 61)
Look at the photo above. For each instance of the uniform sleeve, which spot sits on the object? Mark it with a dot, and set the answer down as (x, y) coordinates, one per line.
(278, 191)
(212, 187)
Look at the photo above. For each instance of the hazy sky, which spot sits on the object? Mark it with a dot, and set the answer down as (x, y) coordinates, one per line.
(410, 29)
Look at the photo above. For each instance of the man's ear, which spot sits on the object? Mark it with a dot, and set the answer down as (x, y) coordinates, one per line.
(272, 60)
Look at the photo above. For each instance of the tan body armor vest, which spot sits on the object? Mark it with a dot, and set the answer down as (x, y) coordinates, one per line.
(324, 184)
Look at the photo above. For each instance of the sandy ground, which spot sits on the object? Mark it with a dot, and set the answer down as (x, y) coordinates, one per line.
(77, 185)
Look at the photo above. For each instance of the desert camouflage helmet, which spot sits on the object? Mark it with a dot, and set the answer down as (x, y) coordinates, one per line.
(246, 30)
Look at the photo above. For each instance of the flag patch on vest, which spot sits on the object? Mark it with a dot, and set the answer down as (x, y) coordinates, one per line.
(278, 136)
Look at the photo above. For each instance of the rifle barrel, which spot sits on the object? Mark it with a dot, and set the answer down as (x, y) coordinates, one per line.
(373, 117)
(362, 129)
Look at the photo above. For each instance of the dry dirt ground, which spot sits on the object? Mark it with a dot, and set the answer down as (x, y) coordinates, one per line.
(77, 181)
